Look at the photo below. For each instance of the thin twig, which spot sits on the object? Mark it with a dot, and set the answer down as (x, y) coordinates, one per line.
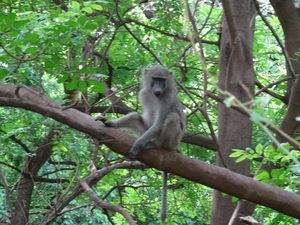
(105, 205)
(135, 37)
(274, 83)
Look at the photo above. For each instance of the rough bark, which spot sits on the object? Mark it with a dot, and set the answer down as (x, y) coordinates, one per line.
(289, 20)
(212, 176)
(237, 77)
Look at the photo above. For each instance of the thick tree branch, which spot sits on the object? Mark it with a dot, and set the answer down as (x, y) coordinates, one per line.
(172, 162)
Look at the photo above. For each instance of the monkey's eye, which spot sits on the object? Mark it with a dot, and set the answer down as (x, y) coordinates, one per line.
(158, 79)
(160, 82)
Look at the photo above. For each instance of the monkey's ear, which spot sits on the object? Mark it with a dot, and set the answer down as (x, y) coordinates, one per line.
(146, 70)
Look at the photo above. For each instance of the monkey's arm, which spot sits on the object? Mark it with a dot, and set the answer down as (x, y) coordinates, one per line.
(132, 121)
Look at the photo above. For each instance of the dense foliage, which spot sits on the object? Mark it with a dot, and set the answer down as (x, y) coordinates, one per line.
(89, 55)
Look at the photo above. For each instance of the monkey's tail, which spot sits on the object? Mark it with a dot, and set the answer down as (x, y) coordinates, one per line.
(163, 210)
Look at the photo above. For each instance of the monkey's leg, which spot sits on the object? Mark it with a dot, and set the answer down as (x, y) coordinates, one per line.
(171, 133)
(146, 141)
(166, 134)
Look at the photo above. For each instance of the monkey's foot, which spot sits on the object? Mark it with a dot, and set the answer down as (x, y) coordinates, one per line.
(105, 121)
(101, 118)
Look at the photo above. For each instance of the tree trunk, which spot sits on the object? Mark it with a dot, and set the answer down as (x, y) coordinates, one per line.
(236, 76)
(26, 183)
(288, 16)
(289, 20)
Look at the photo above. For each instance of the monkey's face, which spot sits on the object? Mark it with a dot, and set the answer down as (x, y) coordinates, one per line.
(158, 86)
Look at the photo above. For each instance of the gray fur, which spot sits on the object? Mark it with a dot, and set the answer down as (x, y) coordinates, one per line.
(162, 123)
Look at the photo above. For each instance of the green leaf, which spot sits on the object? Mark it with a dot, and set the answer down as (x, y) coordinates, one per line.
(91, 26)
(63, 148)
(263, 175)
(7, 127)
(3, 27)
(3, 73)
(10, 18)
(88, 70)
(97, 7)
(278, 219)
(82, 86)
(276, 173)
(2, 16)
(75, 6)
(96, 86)
(82, 20)
(241, 158)
(32, 38)
(224, 194)
(16, 43)
(19, 24)
(32, 50)
(87, 9)
(55, 148)
(234, 199)
(259, 149)
(71, 24)
(270, 148)
(236, 153)
(269, 151)
(72, 85)
(64, 78)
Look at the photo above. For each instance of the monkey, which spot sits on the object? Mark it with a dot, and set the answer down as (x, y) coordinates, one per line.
(162, 122)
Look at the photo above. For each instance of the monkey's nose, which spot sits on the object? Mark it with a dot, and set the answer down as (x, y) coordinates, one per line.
(157, 93)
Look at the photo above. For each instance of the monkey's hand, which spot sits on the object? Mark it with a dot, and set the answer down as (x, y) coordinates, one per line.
(107, 122)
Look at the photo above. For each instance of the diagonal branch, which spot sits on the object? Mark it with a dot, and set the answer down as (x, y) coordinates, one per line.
(192, 169)
(105, 205)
